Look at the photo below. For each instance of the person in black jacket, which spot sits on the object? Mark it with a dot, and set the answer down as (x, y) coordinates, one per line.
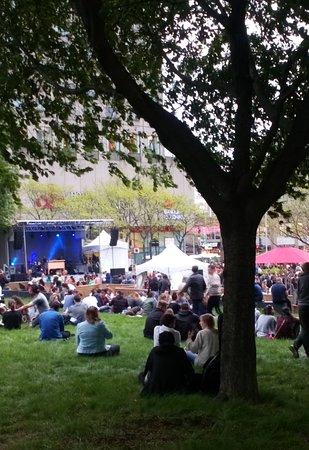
(3, 279)
(167, 368)
(196, 287)
(186, 321)
(164, 285)
(11, 319)
(153, 319)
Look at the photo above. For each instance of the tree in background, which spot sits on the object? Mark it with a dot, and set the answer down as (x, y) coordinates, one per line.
(182, 216)
(235, 112)
(9, 185)
(295, 223)
(43, 201)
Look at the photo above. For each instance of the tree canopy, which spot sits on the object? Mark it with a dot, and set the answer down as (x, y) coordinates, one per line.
(223, 82)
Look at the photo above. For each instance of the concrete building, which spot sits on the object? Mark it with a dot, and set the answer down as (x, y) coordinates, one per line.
(145, 137)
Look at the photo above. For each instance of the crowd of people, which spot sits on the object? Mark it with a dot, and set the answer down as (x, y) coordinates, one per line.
(182, 325)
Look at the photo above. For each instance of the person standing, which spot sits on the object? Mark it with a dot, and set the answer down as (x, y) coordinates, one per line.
(303, 312)
(164, 285)
(213, 294)
(279, 296)
(196, 287)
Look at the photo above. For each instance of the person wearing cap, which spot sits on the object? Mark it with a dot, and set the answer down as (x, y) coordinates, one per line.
(303, 312)
(196, 287)
(167, 368)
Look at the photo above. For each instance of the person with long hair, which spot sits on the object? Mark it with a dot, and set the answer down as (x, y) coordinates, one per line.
(91, 335)
(11, 319)
(206, 343)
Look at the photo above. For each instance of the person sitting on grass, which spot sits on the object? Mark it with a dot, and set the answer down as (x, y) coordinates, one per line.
(51, 323)
(287, 326)
(265, 326)
(39, 302)
(149, 303)
(206, 343)
(167, 323)
(119, 303)
(91, 335)
(77, 312)
(186, 321)
(11, 319)
(153, 319)
(167, 368)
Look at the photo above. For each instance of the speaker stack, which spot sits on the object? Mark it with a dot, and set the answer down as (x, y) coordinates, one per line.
(114, 237)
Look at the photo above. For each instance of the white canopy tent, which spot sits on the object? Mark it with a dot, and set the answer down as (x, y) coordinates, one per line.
(174, 263)
(110, 257)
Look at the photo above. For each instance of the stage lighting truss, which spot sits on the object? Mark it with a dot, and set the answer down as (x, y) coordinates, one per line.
(59, 225)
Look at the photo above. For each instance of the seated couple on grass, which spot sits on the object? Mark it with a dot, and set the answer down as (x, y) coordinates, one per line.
(170, 369)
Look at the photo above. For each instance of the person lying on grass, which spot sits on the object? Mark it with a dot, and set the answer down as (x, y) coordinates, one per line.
(91, 335)
(167, 368)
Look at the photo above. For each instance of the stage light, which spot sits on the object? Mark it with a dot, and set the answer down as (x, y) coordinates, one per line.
(41, 235)
(57, 234)
(73, 234)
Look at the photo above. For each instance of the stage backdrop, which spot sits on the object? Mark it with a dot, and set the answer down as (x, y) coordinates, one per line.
(65, 245)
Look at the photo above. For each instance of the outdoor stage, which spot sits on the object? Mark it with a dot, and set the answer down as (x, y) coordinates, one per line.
(34, 243)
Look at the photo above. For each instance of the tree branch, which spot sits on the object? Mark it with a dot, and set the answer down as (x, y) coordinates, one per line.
(221, 18)
(240, 62)
(173, 134)
(43, 69)
(281, 168)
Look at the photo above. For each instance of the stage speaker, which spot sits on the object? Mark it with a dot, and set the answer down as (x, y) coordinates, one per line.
(19, 277)
(114, 237)
(18, 240)
(117, 271)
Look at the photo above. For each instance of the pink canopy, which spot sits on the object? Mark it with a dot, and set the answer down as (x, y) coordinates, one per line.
(283, 255)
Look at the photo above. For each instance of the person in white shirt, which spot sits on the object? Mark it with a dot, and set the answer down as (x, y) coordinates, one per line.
(167, 324)
(265, 326)
(213, 292)
(206, 343)
(90, 300)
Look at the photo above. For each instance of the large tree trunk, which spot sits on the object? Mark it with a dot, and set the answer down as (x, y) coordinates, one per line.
(238, 353)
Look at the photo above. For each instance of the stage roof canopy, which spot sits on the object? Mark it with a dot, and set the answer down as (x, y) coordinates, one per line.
(60, 225)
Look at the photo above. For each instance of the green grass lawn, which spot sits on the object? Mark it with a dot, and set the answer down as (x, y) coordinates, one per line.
(51, 399)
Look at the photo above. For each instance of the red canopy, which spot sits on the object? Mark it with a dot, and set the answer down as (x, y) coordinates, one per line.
(283, 255)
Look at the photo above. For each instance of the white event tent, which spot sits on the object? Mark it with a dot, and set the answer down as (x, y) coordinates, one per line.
(172, 262)
(110, 257)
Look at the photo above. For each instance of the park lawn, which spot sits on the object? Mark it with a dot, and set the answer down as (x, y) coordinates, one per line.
(51, 399)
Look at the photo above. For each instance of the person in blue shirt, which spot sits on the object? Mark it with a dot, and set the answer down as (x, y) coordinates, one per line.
(280, 296)
(258, 295)
(51, 323)
(91, 335)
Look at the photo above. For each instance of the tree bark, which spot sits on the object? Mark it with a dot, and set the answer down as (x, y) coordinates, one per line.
(238, 351)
